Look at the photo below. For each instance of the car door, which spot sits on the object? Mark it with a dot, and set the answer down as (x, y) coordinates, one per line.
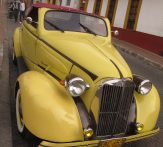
(29, 37)
(52, 62)
(50, 59)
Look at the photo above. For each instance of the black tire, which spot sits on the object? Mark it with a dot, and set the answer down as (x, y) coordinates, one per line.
(14, 60)
(23, 131)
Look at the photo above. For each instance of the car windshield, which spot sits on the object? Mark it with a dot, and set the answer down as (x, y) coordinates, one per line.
(77, 22)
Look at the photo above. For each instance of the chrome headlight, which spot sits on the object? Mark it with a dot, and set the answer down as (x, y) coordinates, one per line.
(76, 86)
(143, 86)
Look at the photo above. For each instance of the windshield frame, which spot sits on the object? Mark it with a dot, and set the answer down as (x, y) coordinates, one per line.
(87, 14)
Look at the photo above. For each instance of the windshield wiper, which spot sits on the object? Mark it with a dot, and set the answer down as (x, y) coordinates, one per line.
(54, 26)
(87, 29)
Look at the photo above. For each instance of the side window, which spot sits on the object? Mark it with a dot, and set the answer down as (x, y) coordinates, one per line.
(27, 11)
(34, 15)
(68, 3)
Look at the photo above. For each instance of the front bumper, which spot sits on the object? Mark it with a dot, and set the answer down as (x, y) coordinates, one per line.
(95, 143)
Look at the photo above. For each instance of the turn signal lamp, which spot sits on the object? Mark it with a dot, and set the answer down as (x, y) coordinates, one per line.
(88, 133)
(139, 127)
(62, 82)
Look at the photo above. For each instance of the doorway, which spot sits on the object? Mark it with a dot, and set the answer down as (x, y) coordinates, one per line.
(98, 5)
(83, 4)
(111, 12)
(133, 14)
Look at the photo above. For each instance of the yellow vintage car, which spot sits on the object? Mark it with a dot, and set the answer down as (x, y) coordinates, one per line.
(74, 88)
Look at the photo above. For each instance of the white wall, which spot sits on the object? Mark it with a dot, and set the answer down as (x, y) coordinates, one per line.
(43, 1)
(90, 6)
(120, 13)
(104, 7)
(75, 4)
(151, 17)
(57, 2)
(64, 2)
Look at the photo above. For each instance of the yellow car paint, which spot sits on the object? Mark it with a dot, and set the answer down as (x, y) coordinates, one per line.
(16, 42)
(148, 107)
(49, 112)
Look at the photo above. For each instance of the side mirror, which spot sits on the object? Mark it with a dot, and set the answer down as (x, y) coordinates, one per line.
(29, 20)
(116, 32)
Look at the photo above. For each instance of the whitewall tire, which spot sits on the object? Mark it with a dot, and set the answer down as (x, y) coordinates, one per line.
(19, 117)
(14, 58)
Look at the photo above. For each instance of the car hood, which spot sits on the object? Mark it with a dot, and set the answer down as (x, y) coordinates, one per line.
(94, 55)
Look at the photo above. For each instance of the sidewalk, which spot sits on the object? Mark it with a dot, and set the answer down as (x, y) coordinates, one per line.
(1, 54)
(2, 20)
(151, 58)
(5, 112)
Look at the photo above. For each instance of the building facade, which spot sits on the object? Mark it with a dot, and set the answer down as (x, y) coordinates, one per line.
(138, 15)
(67, 3)
(139, 22)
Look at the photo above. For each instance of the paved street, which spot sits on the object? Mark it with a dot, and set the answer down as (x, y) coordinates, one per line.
(8, 133)
(141, 67)
(2, 31)
(5, 117)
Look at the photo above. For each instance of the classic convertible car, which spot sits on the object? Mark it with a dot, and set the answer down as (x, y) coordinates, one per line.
(75, 89)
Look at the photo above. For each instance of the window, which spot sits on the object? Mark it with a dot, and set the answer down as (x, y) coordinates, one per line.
(133, 14)
(68, 2)
(28, 10)
(75, 22)
(97, 8)
(53, 2)
(111, 10)
(34, 15)
(82, 4)
(58, 2)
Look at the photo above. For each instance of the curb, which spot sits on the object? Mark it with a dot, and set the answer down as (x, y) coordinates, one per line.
(139, 56)
(1, 56)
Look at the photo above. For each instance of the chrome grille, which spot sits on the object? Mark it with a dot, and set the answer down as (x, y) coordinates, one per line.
(115, 101)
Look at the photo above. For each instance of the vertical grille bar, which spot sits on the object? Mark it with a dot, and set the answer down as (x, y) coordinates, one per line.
(114, 108)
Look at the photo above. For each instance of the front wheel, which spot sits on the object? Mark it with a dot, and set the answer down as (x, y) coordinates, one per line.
(19, 118)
